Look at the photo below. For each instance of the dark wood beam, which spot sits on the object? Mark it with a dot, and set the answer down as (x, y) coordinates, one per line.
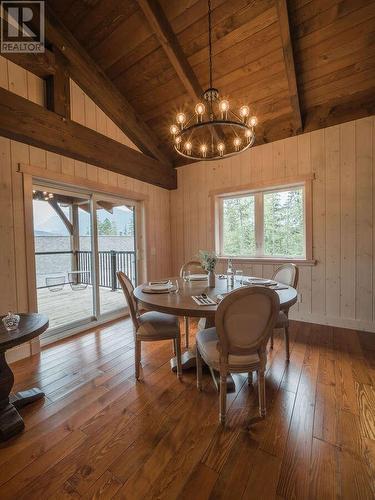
(340, 110)
(42, 65)
(168, 40)
(58, 88)
(24, 121)
(282, 11)
(95, 83)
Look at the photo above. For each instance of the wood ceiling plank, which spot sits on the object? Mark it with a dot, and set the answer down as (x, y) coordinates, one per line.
(344, 56)
(251, 49)
(282, 10)
(328, 50)
(231, 32)
(101, 20)
(336, 75)
(168, 40)
(147, 44)
(226, 16)
(22, 120)
(337, 28)
(325, 13)
(97, 85)
(365, 80)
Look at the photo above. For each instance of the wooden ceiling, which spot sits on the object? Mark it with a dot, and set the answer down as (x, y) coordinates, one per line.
(300, 65)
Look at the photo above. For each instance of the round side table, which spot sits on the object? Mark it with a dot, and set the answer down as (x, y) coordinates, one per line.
(11, 423)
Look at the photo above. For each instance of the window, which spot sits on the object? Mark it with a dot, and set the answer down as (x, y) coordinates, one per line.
(269, 223)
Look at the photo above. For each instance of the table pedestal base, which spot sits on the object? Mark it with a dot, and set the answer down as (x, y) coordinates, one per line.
(11, 422)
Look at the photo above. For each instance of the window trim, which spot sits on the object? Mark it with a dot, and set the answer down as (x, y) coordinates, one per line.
(217, 197)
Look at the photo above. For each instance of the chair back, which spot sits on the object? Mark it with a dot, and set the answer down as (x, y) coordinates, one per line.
(128, 288)
(193, 266)
(287, 274)
(245, 319)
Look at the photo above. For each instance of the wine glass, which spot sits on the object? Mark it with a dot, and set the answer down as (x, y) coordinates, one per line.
(239, 276)
(186, 275)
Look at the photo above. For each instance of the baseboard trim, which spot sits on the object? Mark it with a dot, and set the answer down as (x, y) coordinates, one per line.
(348, 323)
(19, 352)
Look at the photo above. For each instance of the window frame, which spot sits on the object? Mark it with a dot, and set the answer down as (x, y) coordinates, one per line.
(258, 190)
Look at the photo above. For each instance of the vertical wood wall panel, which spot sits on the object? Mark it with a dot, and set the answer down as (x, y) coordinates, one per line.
(14, 296)
(339, 289)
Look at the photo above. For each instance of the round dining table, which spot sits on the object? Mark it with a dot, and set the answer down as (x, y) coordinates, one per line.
(179, 302)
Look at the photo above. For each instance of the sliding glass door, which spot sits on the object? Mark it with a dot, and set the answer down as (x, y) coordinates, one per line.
(81, 241)
(63, 243)
(115, 229)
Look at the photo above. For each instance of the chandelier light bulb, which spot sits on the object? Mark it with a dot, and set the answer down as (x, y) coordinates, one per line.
(224, 107)
(221, 147)
(203, 149)
(199, 108)
(50, 196)
(178, 141)
(188, 147)
(248, 135)
(244, 112)
(173, 129)
(181, 118)
(253, 121)
(237, 143)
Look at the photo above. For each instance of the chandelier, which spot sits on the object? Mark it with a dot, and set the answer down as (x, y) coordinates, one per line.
(214, 130)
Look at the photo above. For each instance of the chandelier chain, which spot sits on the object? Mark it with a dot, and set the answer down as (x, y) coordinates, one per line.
(210, 40)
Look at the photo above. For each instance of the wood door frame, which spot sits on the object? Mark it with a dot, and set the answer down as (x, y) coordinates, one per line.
(31, 174)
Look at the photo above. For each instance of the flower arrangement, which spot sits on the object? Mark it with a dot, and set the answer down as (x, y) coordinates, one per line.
(208, 260)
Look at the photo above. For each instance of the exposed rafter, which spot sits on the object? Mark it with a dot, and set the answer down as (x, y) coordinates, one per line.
(168, 40)
(24, 121)
(94, 82)
(282, 10)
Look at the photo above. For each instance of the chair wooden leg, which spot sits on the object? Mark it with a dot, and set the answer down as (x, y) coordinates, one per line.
(262, 393)
(250, 378)
(223, 397)
(137, 358)
(271, 345)
(287, 343)
(199, 370)
(186, 332)
(178, 356)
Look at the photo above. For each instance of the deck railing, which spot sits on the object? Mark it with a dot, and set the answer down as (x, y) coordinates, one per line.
(109, 263)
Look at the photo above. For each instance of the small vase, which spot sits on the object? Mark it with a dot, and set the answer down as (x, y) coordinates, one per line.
(11, 321)
(211, 279)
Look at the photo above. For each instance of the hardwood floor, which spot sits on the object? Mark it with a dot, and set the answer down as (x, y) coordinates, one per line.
(99, 434)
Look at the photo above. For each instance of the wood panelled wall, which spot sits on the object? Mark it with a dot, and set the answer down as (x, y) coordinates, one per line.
(339, 289)
(13, 272)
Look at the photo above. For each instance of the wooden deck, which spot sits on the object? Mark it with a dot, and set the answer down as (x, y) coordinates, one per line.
(100, 434)
(66, 306)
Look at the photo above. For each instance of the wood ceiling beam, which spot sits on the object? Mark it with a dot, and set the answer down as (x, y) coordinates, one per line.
(168, 40)
(282, 11)
(95, 83)
(42, 64)
(25, 121)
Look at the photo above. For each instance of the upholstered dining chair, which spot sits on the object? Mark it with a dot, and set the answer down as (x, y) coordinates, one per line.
(150, 326)
(194, 267)
(288, 275)
(244, 322)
